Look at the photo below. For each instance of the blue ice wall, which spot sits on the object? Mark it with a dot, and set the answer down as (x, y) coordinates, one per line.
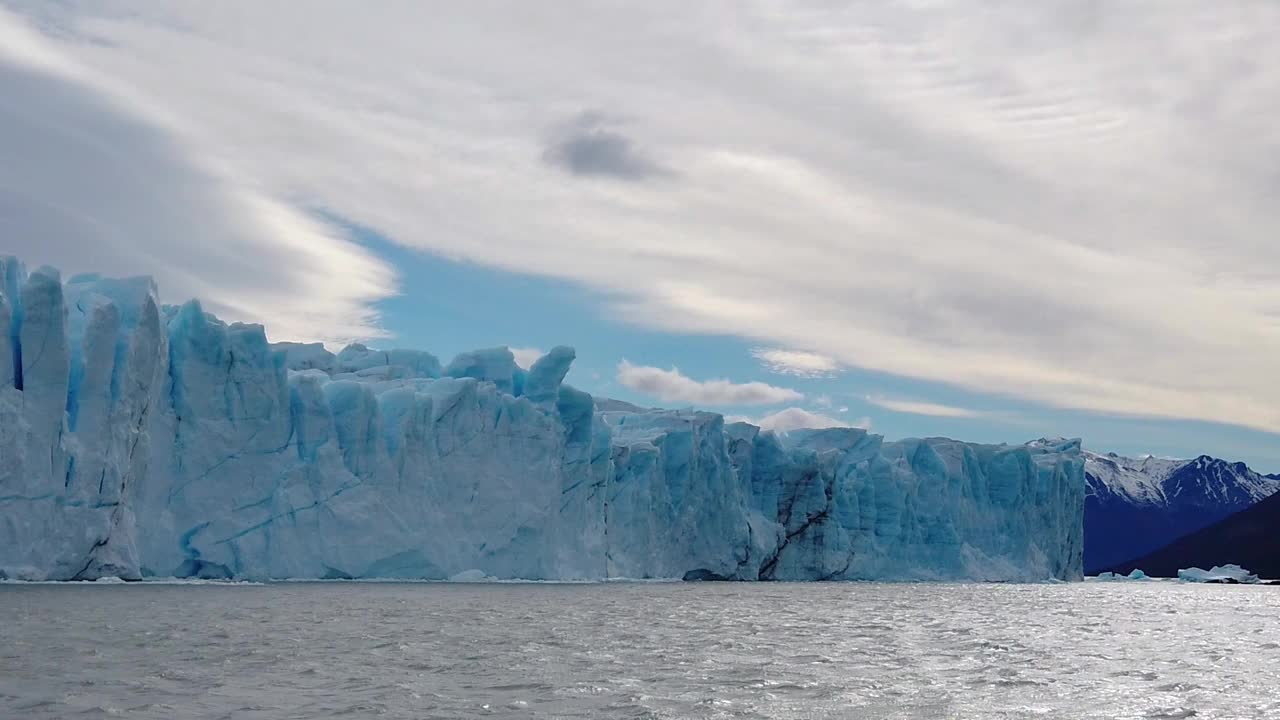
(137, 440)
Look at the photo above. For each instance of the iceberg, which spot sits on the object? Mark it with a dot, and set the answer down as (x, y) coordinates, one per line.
(1116, 577)
(142, 440)
(1226, 574)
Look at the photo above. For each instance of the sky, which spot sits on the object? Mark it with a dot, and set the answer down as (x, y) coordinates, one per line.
(992, 221)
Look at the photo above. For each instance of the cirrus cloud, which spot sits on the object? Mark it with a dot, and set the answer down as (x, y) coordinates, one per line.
(98, 177)
(1070, 203)
(796, 362)
(915, 407)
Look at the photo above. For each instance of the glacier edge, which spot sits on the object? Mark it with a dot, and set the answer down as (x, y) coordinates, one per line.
(145, 440)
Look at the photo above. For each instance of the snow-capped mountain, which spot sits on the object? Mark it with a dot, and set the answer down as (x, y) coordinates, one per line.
(1154, 480)
(1136, 505)
(1138, 480)
(1210, 479)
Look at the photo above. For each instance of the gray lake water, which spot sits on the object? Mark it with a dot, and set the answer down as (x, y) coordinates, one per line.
(643, 650)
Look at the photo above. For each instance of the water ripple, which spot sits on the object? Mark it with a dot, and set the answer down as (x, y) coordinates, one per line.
(645, 650)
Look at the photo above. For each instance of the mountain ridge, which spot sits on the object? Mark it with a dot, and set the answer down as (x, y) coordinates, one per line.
(1134, 506)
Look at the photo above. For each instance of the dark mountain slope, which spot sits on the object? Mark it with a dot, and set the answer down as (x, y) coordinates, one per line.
(1134, 506)
(1250, 538)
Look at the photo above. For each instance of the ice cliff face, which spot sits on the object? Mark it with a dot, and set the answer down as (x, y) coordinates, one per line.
(144, 440)
(847, 505)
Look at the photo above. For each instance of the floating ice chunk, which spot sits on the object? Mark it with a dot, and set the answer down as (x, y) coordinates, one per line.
(1114, 577)
(1228, 574)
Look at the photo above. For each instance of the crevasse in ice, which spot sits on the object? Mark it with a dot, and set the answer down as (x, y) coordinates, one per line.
(140, 440)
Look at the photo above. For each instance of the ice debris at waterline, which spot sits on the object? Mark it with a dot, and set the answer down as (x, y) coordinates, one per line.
(1114, 577)
(146, 440)
(1229, 574)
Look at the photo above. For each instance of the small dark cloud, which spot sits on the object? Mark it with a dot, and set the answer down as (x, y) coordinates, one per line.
(593, 146)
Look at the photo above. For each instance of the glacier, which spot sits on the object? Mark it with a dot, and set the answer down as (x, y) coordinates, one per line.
(145, 440)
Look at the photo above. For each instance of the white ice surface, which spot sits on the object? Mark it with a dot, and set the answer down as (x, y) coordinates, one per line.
(1218, 573)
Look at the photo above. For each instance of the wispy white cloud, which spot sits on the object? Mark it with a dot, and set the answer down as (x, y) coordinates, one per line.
(674, 387)
(96, 176)
(527, 356)
(794, 418)
(915, 407)
(899, 186)
(796, 362)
